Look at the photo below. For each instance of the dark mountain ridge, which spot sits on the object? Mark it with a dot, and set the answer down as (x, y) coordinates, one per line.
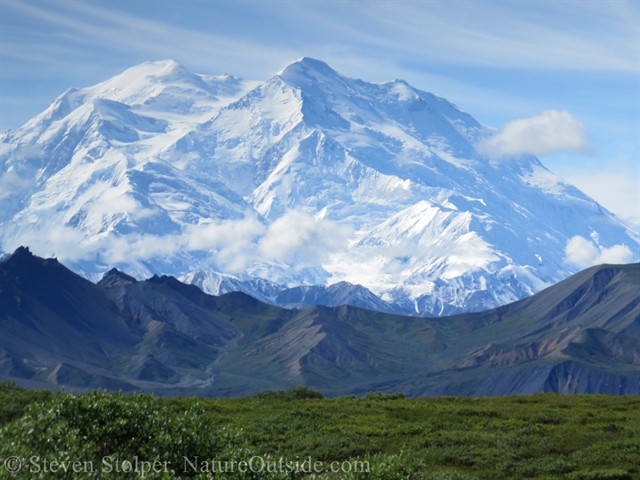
(56, 328)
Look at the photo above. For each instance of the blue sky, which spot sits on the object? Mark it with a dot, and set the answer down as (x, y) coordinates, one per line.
(497, 60)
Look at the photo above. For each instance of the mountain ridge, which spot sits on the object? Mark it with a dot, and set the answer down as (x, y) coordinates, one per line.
(161, 335)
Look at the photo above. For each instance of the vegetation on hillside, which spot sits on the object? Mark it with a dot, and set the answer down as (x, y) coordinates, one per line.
(299, 434)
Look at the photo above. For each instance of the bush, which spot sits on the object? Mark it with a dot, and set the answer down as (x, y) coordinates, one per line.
(600, 475)
(384, 396)
(14, 400)
(394, 467)
(102, 430)
(294, 393)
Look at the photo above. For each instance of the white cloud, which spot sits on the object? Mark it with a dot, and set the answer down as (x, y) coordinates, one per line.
(68, 244)
(135, 247)
(551, 131)
(302, 240)
(58, 241)
(233, 242)
(296, 239)
(584, 253)
(11, 183)
(112, 202)
(233, 234)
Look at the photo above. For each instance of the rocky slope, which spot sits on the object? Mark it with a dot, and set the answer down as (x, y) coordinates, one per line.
(56, 328)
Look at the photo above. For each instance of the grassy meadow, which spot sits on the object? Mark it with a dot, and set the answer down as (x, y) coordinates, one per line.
(379, 436)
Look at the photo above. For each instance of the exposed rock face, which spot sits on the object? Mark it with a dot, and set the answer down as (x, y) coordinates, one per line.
(571, 377)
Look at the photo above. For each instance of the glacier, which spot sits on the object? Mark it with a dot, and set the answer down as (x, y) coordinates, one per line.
(309, 187)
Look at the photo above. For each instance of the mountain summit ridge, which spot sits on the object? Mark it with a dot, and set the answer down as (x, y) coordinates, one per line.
(310, 178)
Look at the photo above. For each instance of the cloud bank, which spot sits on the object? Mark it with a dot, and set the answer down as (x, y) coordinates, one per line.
(584, 253)
(296, 239)
(551, 131)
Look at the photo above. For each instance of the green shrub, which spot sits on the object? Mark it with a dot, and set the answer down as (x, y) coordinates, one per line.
(96, 433)
(294, 393)
(14, 400)
(393, 467)
(384, 396)
(447, 438)
(600, 475)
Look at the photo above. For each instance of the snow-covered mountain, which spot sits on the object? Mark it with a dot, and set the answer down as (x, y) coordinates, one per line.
(307, 180)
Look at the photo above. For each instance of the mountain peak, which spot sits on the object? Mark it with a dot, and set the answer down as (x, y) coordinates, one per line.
(116, 278)
(22, 252)
(307, 68)
(23, 259)
(157, 68)
(313, 63)
(390, 175)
